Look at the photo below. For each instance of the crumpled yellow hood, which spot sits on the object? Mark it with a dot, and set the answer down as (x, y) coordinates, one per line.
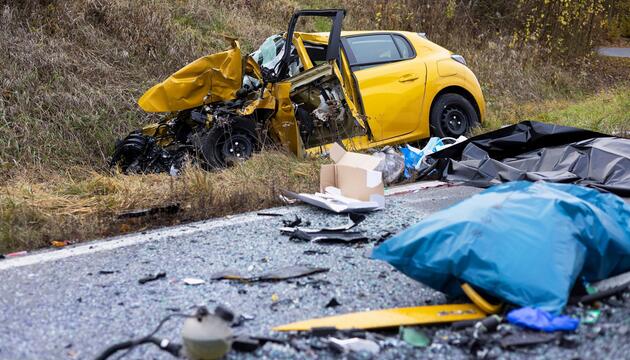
(217, 76)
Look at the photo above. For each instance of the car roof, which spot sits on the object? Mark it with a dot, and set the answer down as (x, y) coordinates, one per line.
(322, 37)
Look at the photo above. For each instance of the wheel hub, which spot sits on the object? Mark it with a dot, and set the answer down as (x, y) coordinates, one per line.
(237, 147)
(454, 120)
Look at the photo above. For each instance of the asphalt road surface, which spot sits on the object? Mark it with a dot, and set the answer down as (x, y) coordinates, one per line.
(74, 302)
(614, 52)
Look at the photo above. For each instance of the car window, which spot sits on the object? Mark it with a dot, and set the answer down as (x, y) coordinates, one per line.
(403, 46)
(373, 49)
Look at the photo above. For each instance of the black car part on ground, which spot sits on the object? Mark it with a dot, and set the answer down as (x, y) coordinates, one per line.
(139, 153)
(285, 273)
(535, 151)
(328, 236)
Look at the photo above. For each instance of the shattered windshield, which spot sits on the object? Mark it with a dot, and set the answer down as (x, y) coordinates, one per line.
(270, 53)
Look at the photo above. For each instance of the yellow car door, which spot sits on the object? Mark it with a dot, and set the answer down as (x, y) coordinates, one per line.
(391, 82)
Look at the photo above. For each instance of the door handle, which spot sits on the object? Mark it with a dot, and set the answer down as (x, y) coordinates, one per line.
(408, 77)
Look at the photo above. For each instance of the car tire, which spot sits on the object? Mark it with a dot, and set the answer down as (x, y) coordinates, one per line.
(452, 115)
(226, 145)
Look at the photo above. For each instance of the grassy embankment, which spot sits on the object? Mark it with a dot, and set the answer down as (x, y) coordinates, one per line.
(71, 72)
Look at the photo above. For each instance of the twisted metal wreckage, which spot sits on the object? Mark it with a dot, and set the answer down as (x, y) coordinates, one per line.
(304, 95)
(224, 106)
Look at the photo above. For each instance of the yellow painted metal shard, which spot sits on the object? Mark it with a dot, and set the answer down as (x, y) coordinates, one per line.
(375, 319)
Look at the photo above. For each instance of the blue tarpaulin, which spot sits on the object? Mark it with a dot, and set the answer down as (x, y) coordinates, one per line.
(523, 242)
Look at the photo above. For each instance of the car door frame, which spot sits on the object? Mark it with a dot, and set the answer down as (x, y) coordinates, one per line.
(334, 38)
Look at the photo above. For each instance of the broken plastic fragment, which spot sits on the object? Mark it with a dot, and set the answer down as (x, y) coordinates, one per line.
(193, 281)
(295, 222)
(288, 272)
(528, 338)
(355, 345)
(355, 219)
(153, 277)
(329, 236)
(414, 337)
(333, 303)
(168, 209)
(591, 316)
(59, 244)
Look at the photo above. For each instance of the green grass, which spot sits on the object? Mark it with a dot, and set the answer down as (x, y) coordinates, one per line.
(607, 112)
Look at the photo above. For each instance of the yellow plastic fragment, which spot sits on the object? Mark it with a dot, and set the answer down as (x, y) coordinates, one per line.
(482, 303)
(375, 319)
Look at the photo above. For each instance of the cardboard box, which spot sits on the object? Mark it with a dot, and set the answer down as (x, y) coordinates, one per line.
(349, 185)
(353, 174)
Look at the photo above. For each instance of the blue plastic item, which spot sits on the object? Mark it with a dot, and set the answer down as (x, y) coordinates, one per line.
(413, 155)
(537, 319)
(523, 242)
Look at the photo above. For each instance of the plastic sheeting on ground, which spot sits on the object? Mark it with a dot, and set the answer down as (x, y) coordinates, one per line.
(525, 243)
(535, 151)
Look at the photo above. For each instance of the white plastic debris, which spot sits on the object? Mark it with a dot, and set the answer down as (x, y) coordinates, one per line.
(193, 281)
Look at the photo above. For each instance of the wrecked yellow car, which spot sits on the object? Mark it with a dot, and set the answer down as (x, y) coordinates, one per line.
(363, 89)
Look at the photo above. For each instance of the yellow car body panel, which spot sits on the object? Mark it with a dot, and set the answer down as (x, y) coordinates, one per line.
(211, 78)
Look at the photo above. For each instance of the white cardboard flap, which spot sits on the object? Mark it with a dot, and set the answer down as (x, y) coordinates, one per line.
(362, 161)
(373, 178)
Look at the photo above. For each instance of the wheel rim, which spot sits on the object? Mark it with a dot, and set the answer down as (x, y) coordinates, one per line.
(454, 120)
(237, 147)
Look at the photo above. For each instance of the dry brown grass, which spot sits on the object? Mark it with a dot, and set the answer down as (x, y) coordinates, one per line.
(34, 214)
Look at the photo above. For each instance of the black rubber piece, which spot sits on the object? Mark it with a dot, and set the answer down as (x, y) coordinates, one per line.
(224, 313)
(452, 115)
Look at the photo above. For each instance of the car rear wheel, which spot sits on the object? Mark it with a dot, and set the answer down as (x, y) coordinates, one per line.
(452, 115)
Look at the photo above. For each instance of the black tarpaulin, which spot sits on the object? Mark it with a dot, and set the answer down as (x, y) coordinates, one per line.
(536, 151)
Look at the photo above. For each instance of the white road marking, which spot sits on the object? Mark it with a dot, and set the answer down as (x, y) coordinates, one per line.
(132, 239)
(161, 233)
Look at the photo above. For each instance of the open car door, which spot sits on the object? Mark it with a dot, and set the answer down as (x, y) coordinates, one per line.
(323, 109)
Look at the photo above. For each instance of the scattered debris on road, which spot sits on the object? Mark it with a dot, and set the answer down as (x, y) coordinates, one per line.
(193, 281)
(153, 277)
(284, 273)
(354, 345)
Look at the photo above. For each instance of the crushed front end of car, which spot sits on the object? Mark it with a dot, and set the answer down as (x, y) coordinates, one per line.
(223, 107)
